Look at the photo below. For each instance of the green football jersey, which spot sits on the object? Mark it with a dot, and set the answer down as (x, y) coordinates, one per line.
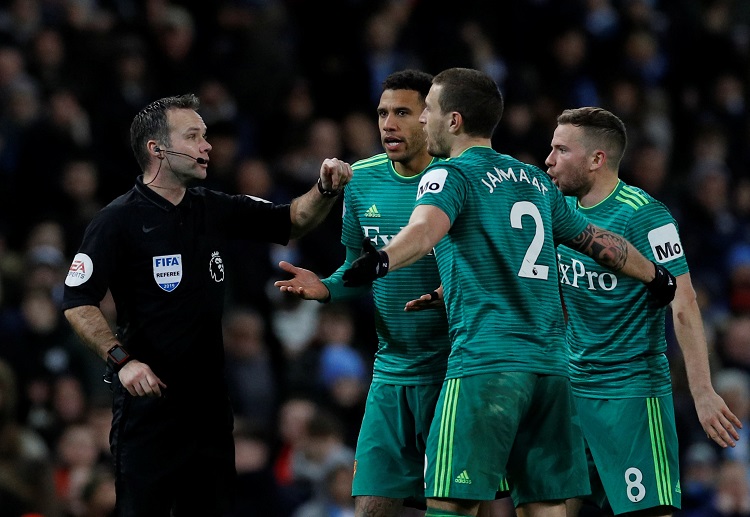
(413, 347)
(498, 262)
(615, 330)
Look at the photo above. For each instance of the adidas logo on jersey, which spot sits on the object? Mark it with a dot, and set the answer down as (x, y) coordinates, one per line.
(372, 212)
(463, 478)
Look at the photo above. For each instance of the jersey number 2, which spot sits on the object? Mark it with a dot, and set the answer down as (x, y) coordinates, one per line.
(529, 267)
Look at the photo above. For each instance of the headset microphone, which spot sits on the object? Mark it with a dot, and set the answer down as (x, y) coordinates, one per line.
(199, 160)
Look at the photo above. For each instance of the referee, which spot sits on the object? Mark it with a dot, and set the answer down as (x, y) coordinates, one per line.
(159, 249)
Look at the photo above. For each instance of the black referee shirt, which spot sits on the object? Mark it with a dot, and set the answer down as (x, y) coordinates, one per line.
(164, 266)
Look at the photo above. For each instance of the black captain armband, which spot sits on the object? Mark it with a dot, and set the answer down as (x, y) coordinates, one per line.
(117, 357)
(327, 193)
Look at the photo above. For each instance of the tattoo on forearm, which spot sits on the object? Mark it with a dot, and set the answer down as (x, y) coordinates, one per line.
(607, 248)
(371, 506)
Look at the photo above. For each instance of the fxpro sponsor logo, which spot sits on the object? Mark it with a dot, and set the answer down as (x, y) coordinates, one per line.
(381, 239)
(432, 182)
(168, 271)
(80, 270)
(665, 243)
(576, 275)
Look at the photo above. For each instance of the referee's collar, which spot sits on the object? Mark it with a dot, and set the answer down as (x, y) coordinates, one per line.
(155, 198)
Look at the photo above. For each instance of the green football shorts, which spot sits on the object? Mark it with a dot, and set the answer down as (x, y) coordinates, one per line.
(515, 425)
(633, 452)
(390, 455)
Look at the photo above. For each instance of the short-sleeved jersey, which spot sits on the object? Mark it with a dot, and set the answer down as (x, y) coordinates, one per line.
(413, 347)
(615, 330)
(164, 265)
(498, 262)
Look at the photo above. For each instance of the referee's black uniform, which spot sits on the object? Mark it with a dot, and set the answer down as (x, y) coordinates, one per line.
(164, 267)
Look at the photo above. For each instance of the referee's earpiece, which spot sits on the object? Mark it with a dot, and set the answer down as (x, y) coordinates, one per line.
(158, 150)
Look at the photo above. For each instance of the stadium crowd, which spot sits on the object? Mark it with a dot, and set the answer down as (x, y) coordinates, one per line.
(280, 92)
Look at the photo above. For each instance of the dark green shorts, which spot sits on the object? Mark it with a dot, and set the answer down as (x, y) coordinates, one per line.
(390, 455)
(514, 425)
(633, 452)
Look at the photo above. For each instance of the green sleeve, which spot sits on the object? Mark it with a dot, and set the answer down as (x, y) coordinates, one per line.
(335, 282)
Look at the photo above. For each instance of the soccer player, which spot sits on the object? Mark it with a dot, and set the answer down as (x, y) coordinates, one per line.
(506, 407)
(618, 368)
(412, 348)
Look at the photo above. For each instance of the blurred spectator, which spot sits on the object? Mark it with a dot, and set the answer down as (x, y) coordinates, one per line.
(330, 355)
(301, 165)
(220, 111)
(65, 131)
(644, 58)
(40, 350)
(25, 464)
(732, 492)
(287, 129)
(76, 461)
(21, 20)
(707, 225)
(45, 270)
(99, 420)
(69, 401)
(251, 376)
(18, 112)
(700, 467)
(48, 62)
(225, 147)
(345, 379)
(78, 200)
(383, 52)
(98, 494)
(321, 448)
(255, 178)
(258, 492)
(569, 75)
(295, 415)
(734, 344)
(336, 499)
(648, 168)
(738, 272)
(361, 136)
(733, 386)
(127, 84)
(644, 112)
(174, 63)
(483, 54)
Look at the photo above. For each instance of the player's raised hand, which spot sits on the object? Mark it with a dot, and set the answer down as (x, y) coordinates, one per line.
(304, 283)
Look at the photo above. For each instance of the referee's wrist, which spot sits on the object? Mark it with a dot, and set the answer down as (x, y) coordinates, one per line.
(326, 192)
(118, 357)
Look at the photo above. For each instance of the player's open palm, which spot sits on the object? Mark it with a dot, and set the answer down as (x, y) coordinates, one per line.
(718, 421)
(304, 283)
